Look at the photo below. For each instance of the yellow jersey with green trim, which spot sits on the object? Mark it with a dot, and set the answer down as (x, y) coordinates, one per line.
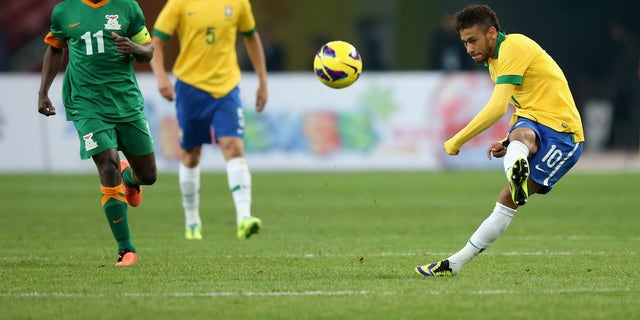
(207, 35)
(541, 92)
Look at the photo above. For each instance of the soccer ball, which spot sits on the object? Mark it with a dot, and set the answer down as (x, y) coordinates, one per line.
(337, 64)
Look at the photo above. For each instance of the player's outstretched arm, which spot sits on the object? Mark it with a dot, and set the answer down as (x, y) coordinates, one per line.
(51, 64)
(490, 114)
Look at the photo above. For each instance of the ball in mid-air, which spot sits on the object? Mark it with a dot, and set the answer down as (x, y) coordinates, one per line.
(337, 64)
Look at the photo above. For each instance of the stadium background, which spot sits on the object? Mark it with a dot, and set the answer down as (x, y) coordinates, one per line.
(337, 245)
(398, 40)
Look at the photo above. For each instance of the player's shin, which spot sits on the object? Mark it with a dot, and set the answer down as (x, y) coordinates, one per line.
(190, 189)
(490, 229)
(115, 209)
(239, 179)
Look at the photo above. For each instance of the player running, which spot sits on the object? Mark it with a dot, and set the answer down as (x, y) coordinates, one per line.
(102, 99)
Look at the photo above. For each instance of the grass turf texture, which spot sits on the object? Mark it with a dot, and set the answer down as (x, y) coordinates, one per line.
(334, 246)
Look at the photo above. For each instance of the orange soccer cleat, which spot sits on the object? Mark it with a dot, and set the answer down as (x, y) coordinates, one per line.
(126, 257)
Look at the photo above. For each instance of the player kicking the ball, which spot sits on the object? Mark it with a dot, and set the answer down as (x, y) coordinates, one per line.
(101, 97)
(545, 139)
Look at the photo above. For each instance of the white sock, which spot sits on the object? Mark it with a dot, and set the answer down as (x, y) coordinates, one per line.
(486, 234)
(190, 187)
(239, 179)
(516, 150)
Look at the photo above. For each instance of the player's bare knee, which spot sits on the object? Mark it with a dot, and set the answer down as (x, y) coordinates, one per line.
(190, 162)
(147, 176)
(527, 137)
(191, 157)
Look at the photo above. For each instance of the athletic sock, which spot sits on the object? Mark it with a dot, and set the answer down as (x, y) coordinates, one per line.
(486, 234)
(130, 178)
(115, 208)
(190, 189)
(239, 179)
(516, 150)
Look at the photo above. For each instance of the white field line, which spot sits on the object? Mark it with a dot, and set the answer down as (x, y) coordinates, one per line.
(221, 294)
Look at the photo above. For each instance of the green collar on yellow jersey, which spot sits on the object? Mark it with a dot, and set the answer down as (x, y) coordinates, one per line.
(501, 37)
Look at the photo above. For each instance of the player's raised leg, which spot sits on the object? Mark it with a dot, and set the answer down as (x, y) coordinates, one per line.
(516, 167)
(132, 188)
(139, 168)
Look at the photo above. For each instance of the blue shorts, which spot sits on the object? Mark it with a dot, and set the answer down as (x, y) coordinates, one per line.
(557, 153)
(201, 116)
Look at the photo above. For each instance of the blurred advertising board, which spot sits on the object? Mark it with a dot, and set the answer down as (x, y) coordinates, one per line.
(385, 121)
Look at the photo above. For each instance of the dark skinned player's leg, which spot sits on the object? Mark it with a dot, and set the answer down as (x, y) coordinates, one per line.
(144, 169)
(137, 171)
(114, 204)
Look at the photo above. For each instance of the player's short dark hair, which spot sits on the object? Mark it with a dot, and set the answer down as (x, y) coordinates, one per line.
(476, 14)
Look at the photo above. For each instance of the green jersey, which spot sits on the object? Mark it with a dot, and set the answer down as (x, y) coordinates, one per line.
(99, 82)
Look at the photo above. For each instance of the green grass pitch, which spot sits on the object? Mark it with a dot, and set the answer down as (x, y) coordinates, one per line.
(333, 246)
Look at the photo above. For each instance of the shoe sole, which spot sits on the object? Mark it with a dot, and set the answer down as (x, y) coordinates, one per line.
(518, 183)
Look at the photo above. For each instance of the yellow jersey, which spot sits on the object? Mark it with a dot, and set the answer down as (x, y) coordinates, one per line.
(541, 90)
(207, 35)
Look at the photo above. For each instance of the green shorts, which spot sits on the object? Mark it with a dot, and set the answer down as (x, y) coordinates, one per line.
(97, 135)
